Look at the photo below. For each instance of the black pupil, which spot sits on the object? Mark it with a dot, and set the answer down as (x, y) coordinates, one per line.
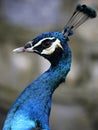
(46, 43)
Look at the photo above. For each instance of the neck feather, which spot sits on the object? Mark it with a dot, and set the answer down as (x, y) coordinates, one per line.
(35, 100)
(55, 75)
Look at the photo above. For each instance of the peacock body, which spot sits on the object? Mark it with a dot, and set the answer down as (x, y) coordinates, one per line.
(31, 109)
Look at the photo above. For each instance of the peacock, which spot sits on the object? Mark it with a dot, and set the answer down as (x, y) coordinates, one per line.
(31, 109)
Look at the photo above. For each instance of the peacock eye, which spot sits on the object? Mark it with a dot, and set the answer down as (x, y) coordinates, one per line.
(46, 43)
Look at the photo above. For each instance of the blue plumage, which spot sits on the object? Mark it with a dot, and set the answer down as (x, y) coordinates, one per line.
(32, 108)
(35, 101)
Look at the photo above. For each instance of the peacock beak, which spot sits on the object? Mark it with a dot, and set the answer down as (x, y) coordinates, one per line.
(23, 49)
(19, 50)
(27, 48)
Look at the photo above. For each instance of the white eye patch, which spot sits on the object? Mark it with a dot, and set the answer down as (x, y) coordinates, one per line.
(39, 43)
(52, 48)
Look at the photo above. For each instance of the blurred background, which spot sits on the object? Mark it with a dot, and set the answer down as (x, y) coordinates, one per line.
(75, 103)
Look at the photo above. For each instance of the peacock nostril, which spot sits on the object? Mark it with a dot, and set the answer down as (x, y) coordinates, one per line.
(28, 45)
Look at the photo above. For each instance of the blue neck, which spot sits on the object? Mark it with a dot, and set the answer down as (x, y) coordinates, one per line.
(35, 101)
(55, 75)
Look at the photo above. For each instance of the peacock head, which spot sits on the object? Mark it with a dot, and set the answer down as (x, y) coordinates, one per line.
(51, 45)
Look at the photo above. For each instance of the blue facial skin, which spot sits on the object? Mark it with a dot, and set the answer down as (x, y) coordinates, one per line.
(32, 108)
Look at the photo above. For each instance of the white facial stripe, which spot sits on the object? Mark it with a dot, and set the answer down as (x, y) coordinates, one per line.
(52, 48)
(39, 43)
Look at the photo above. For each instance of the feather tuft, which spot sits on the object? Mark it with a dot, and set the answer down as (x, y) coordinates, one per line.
(79, 16)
